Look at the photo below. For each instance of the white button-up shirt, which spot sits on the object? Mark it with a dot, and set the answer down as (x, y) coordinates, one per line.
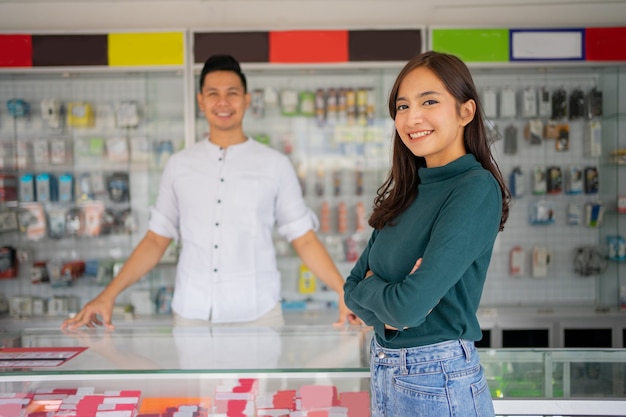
(223, 203)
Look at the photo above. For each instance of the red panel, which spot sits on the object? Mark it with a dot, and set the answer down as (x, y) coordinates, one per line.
(304, 46)
(16, 51)
(605, 44)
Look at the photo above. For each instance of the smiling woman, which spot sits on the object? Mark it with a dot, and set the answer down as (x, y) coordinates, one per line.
(420, 279)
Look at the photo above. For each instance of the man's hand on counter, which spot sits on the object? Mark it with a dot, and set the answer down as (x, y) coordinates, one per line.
(97, 312)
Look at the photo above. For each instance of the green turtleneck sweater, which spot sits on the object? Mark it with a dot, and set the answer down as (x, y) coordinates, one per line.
(452, 225)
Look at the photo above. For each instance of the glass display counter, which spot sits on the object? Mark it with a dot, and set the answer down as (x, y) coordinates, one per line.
(263, 370)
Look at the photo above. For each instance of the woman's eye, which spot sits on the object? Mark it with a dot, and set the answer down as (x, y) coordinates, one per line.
(430, 102)
(402, 107)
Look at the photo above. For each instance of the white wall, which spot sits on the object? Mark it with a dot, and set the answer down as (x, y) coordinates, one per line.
(98, 15)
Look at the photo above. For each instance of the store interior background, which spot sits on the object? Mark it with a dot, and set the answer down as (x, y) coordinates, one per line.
(52, 16)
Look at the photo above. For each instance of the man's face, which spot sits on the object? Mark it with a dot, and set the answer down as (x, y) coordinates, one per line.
(223, 100)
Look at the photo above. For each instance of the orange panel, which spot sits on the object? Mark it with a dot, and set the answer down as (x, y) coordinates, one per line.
(304, 46)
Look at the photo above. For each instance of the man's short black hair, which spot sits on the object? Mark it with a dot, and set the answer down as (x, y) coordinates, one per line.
(222, 63)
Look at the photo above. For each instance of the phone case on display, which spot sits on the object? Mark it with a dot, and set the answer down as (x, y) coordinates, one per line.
(80, 114)
(52, 113)
(489, 100)
(127, 114)
(574, 214)
(594, 214)
(8, 220)
(577, 104)
(516, 261)
(118, 187)
(507, 103)
(592, 145)
(559, 104)
(594, 103)
(561, 143)
(541, 260)
(528, 98)
(539, 181)
(516, 183)
(591, 180)
(8, 262)
(555, 180)
(27, 190)
(533, 131)
(92, 216)
(56, 222)
(544, 108)
(33, 220)
(573, 180)
(47, 187)
(510, 140)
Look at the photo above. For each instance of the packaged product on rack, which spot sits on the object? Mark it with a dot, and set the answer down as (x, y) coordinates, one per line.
(32, 219)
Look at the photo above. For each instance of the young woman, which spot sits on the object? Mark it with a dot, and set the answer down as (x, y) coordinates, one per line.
(420, 278)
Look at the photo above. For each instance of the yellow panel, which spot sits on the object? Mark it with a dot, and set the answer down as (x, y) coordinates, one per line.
(135, 49)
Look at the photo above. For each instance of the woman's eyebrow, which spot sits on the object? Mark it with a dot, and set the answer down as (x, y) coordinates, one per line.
(423, 94)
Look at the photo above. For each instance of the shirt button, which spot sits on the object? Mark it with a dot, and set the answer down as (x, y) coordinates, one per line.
(217, 224)
(219, 159)
(219, 201)
(222, 179)
(215, 246)
(214, 269)
(381, 355)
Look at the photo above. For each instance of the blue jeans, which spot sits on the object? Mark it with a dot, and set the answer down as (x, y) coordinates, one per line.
(442, 379)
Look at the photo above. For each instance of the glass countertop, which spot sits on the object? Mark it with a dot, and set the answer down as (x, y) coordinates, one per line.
(202, 349)
(302, 350)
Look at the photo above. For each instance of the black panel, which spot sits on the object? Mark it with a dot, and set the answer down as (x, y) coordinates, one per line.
(588, 338)
(384, 45)
(70, 50)
(244, 46)
(526, 338)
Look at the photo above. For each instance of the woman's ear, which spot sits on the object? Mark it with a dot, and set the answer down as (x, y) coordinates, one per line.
(468, 111)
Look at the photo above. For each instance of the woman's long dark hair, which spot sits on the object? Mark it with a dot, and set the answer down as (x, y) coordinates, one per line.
(400, 188)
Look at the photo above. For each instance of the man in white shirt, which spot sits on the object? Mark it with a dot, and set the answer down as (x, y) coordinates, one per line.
(221, 198)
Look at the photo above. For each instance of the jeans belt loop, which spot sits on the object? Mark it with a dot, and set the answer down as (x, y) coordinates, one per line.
(466, 349)
(403, 355)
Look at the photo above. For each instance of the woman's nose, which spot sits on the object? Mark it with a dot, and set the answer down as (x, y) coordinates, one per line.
(415, 115)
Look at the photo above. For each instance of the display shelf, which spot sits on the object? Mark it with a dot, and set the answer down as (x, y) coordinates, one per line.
(340, 163)
(188, 364)
(101, 135)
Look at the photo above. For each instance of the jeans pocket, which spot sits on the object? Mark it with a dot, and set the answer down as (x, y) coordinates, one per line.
(430, 386)
(482, 398)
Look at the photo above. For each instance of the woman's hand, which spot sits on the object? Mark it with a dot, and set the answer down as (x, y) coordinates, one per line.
(415, 268)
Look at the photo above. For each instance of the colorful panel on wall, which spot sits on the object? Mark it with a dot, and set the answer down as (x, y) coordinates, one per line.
(384, 45)
(69, 50)
(605, 44)
(16, 51)
(133, 49)
(473, 45)
(308, 46)
(244, 46)
(547, 44)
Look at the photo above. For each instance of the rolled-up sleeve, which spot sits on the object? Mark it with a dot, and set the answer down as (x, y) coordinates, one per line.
(164, 214)
(293, 217)
(300, 226)
(161, 225)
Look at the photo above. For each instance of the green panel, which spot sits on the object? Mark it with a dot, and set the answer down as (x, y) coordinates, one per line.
(473, 45)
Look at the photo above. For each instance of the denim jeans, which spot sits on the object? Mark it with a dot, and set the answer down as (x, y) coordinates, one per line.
(442, 379)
